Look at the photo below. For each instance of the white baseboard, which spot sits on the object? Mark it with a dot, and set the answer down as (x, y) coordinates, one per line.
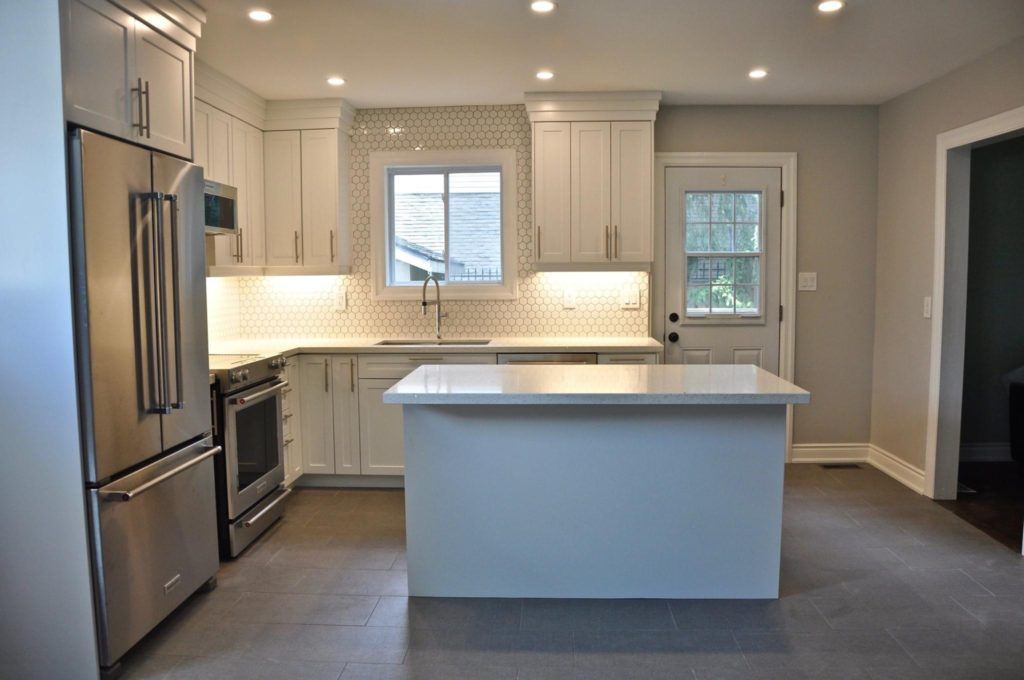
(910, 476)
(990, 452)
(903, 472)
(830, 453)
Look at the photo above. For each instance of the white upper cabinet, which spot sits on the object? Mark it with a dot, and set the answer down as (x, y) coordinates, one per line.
(247, 177)
(124, 78)
(213, 143)
(164, 70)
(551, 177)
(593, 170)
(590, 237)
(282, 158)
(319, 197)
(632, 195)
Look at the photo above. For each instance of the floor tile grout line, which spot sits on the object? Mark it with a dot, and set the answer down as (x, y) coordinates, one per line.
(891, 634)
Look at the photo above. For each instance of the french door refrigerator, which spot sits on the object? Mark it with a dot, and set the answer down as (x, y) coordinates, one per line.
(140, 307)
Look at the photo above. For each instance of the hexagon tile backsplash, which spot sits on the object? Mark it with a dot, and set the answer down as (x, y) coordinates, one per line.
(338, 306)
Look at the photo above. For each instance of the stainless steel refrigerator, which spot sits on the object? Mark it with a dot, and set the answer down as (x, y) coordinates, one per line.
(144, 399)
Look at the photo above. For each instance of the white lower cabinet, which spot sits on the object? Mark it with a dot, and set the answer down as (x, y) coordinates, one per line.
(381, 435)
(330, 415)
(292, 424)
(628, 359)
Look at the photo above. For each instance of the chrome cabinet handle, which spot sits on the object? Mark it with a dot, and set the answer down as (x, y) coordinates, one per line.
(238, 246)
(142, 116)
(327, 365)
(332, 245)
(296, 247)
(149, 121)
(607, 243)
(179, 403)
(125, 496)
(617, 241)
(538, 242)
(255, 518)
(249, 397)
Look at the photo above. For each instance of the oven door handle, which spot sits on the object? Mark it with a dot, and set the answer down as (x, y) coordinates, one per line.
(249, 397)
(255, 518)
(125, 496)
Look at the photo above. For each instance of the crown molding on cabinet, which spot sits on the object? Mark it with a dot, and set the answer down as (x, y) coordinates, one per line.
(222, 92)
(310, 114)
(550, 107)
(180, 20)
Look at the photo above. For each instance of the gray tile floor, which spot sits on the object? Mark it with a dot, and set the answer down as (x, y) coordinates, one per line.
(878, 583)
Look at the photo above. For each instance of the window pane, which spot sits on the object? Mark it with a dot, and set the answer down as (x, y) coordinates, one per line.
(721, 238)
(698, 270)
(698, 299)
(722, 299)
(747, 238)
(697, 237)
(748, 207)
(474, 227)
(747, 270)
(418, 238)
(721, 270)
(698, 207)
(721, 207)
(747, 300)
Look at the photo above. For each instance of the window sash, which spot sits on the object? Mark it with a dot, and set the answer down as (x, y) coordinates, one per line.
(446, 171)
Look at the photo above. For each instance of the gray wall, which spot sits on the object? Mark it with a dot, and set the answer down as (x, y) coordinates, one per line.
(908, 126)
(994, 342)
(46, 626)
(837, 183)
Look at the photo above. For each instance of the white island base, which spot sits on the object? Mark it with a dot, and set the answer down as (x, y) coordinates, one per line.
(591, 500)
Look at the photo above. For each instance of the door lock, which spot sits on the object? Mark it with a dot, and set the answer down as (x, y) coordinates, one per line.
(673, 317)
(673, 337)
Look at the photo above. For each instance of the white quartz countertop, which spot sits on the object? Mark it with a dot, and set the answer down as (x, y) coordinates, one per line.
(289, 346)
(594, 385)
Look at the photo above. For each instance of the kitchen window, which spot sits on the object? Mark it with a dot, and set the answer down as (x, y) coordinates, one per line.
(724, 258)
(446, 214)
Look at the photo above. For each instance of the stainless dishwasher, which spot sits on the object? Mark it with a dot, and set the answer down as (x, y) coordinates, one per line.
(549, 358)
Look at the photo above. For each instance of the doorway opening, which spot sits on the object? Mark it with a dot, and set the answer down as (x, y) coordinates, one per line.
(990, 473)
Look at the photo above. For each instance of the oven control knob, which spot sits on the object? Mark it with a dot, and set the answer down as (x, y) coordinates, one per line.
(235, 376)
(245, 374)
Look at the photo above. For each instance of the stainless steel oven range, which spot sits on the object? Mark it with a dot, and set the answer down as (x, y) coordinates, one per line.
(247, 424)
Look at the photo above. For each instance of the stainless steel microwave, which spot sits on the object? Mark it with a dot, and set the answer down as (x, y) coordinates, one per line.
(221, 207)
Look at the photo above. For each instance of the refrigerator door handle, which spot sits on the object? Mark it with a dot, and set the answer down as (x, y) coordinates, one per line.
(179, 402)
(164, 406)
(127, 495)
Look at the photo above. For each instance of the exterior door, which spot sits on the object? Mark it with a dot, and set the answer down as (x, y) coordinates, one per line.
(722, 280)
(181, 226)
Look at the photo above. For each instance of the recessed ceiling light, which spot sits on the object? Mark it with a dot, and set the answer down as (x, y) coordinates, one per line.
(758, 73)
(336, 81)
(829, 6)
(260, 15)
(545, 75)
(542, 6)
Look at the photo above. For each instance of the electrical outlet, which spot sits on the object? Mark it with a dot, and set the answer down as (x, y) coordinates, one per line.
(631, 297)
(568, 299)
(342, 302)
(807, 281)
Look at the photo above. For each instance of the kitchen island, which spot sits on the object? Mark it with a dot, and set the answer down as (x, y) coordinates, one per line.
(647, 481)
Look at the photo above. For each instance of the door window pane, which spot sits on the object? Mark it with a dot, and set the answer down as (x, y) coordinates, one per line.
(698, 207)
(697, 237)
(721, 238)
(747, 238)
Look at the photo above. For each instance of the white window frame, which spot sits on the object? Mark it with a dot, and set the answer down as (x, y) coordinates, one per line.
(383, 161)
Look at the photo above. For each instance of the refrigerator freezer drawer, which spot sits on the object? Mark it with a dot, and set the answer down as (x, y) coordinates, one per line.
(155, 537)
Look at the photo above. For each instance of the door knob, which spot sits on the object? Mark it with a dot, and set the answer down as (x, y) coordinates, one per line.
(673, 317)
(673, 337)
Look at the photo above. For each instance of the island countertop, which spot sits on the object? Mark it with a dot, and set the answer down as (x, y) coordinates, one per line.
(594, 385)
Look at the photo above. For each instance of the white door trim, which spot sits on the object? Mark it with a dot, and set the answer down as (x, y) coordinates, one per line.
(787, 328)
(952, 213)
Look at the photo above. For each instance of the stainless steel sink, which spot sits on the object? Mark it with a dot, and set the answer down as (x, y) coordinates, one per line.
(433, 343)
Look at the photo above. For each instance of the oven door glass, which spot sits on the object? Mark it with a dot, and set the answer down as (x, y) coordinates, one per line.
(257, 429)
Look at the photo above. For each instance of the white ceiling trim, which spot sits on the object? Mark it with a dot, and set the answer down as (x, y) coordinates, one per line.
(550, 107)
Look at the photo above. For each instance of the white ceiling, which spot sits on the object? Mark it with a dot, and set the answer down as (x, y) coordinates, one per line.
(446, 52)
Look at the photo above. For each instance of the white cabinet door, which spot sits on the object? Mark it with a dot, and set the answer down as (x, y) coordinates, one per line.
(247, 177)
(317, 413)
(591, 192)
(381, 437)
(213, 142)
(551, 192)
(165, 69)
(319, 197)
(632, 197)
(346, 416)
(282, 157)
(292, 407)
(98, 44)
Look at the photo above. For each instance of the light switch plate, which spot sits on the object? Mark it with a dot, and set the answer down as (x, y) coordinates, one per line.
(568, 299)
(631, 297)
(807, 281)
(341, 303)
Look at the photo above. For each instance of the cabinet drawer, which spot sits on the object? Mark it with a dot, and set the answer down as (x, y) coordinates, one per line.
(627, 358)
(400, 365)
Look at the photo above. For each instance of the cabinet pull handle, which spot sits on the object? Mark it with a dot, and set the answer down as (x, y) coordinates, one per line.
(142, 115)
(332, 245)
(607, 243)
(616, 241)
(351, 375)
(149, 120)
(326, 368)
(296, 247)
(538, 241)
(239, 245)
